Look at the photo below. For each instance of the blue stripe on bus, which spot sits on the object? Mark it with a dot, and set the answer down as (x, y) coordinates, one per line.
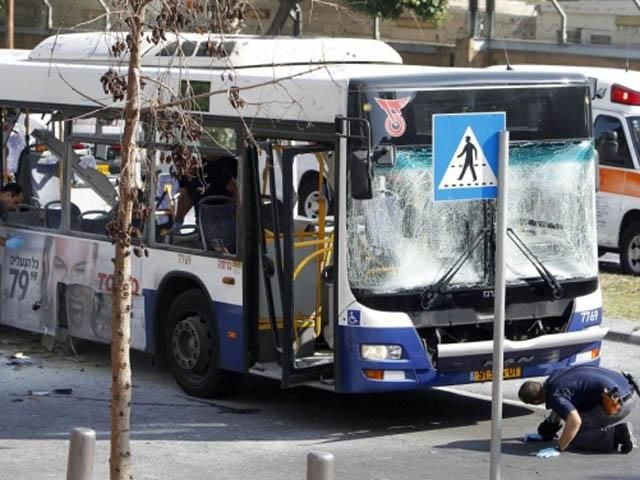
(584, 319)
(231, 335)
(149, 302)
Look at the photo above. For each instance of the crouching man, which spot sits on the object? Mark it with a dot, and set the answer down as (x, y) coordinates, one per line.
(592, 401)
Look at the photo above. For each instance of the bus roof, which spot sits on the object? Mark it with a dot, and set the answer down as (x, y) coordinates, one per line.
(218, 51)
(312, 90)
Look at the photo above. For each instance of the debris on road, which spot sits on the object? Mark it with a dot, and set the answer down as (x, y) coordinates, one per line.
(38, 393)
(19, 359)
(63, 391)
(45, 393)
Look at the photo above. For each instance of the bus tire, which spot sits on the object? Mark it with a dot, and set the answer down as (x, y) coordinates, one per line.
(630, 249)
(191, 346)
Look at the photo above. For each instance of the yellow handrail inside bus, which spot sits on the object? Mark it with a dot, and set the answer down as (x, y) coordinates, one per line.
(322, 252)
(308, 258)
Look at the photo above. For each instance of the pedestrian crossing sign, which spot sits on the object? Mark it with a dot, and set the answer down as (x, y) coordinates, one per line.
(465, 155)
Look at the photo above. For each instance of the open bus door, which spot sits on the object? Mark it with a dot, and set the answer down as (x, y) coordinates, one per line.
(294, 253)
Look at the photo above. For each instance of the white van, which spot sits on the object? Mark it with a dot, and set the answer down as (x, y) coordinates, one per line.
(616, 129)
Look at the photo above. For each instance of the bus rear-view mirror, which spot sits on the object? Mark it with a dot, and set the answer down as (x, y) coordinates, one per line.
(361, 175)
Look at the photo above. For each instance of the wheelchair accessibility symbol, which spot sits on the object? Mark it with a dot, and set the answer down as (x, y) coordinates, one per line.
(353, 317)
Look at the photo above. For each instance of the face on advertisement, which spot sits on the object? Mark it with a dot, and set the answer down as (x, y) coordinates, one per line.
(72, 263)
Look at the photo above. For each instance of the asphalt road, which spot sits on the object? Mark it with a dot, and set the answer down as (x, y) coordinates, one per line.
(265, 433)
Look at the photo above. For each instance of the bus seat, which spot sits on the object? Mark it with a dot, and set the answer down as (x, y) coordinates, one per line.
(53, 215)
(217, 220)
(95, 221)
(187, 236)
(26, 214)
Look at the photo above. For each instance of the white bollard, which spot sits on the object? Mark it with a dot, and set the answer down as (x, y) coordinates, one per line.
(82, 449)
(320, 466)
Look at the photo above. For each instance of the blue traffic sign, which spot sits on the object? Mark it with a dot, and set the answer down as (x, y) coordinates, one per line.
(465, 155)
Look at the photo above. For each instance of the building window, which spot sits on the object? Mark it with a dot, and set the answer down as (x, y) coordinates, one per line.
(575, 35)
(600, 39)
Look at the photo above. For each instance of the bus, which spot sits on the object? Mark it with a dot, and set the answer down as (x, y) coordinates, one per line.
(391, 291)
(615, 97)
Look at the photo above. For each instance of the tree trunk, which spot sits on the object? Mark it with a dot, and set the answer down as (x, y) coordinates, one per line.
(120, 460)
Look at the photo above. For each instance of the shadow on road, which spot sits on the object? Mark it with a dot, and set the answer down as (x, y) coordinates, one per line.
(608, 266)
(510, 446)
(259, 410)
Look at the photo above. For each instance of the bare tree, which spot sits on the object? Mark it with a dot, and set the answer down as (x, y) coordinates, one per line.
(172, 16)
(120, 459)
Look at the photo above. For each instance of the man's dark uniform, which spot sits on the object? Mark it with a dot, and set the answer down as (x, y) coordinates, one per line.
(580, 388)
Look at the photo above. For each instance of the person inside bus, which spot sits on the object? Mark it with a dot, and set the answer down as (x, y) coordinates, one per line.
(10, 197)
(216, 177)
(592, 401)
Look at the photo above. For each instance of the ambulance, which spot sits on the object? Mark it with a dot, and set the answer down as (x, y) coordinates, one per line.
(615, 97)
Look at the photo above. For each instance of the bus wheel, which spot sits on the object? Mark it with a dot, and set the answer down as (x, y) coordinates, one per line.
(191, 346)
(630, 250)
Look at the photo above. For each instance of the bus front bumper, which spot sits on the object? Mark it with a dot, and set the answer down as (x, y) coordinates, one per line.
(457, 363)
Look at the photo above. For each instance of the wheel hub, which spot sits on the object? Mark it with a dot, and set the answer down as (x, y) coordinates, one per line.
(312, 205)
(186, 343)
(634, 253)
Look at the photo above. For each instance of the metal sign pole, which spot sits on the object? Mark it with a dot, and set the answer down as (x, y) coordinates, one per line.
(499, 305)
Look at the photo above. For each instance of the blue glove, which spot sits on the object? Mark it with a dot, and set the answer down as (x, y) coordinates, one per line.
(532, 437)
(13, 243)
(548, 453)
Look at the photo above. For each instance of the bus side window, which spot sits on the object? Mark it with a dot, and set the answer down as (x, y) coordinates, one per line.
(611, 142)
(92, 213)
(38, 174)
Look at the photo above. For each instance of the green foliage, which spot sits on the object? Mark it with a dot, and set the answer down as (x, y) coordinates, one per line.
(424, 9)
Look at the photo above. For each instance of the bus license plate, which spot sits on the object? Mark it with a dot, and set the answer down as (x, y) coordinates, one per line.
(487, 375)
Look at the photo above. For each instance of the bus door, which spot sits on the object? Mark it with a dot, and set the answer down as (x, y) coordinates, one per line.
(295, 253)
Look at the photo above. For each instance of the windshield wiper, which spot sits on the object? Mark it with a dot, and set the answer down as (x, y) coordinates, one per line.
(430, 294)
(545, 274)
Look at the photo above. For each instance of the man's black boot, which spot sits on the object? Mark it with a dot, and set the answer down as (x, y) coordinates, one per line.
(623, 434)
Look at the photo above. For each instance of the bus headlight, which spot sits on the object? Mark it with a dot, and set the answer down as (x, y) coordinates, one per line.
(381, 352)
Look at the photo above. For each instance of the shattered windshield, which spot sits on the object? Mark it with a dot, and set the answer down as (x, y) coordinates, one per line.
(403, 240)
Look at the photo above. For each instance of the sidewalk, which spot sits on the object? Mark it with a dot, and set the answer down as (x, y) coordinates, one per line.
(623, 330)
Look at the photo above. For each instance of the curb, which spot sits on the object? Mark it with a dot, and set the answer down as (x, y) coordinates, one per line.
(632, 336)
(626, 331)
